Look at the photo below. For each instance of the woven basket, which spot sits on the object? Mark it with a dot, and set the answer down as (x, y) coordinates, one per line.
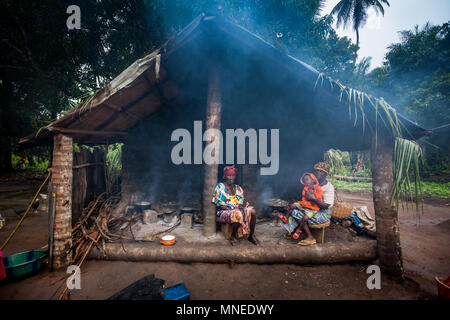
(341, 210)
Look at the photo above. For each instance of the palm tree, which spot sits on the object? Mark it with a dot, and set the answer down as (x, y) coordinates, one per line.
(356, 11)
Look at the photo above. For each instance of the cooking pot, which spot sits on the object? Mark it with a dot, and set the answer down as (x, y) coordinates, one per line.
(143, 205)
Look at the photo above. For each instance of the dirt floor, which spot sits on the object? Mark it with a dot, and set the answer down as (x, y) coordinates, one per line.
(425, 252)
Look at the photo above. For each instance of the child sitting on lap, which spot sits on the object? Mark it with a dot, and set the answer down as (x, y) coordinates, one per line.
(311, 184)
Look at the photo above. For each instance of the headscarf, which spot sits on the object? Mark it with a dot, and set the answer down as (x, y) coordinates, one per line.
(229, 170)
(312, 177)
(322, 166)
(316, 189)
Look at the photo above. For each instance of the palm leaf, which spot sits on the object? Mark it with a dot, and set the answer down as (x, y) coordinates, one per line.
(407, 154)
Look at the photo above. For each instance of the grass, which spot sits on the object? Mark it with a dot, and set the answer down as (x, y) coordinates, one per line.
(351, 185)
(431, 189)
(436, 189)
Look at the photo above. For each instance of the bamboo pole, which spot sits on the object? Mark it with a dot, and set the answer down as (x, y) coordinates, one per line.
(26, 212)
(81, 262)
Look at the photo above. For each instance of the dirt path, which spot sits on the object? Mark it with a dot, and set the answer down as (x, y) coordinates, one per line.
(425, 241)
(424, 249)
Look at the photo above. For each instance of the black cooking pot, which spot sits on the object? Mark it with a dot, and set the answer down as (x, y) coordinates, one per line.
(143, 205)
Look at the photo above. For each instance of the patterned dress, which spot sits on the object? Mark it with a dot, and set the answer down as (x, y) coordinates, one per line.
(233, 214)
(315, 217)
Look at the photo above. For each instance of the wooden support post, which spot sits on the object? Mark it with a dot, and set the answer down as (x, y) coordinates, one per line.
(213, 119)
(51, 222)
(62, 181)
(386, 215)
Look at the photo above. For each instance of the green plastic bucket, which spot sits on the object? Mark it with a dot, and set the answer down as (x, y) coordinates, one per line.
(23, 264)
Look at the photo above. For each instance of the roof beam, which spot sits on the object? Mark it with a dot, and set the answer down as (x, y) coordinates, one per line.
(89, 132)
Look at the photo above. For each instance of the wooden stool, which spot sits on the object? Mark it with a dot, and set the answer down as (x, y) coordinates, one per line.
(320, 227)
(226, 230)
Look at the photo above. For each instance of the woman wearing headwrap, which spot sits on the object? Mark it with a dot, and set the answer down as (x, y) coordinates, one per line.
(302, 218)
(229, 200)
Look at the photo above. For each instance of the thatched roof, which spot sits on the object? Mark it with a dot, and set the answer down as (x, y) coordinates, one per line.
(141, 90)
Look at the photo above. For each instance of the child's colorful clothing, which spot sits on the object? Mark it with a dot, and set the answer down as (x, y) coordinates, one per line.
(316, 189)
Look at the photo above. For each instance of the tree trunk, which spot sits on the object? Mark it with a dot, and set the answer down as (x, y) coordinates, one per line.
(62, 176)
(5, 156)
(325, 253)
(6, 125)
(213, 118)
(386, 216)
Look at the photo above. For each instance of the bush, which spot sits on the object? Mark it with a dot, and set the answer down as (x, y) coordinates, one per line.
(37, 166)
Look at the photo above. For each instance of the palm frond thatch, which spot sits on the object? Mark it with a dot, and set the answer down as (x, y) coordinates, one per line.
(407, 153)
(408, 156)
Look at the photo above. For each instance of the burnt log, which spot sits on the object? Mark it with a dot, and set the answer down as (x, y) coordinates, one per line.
(342, 252)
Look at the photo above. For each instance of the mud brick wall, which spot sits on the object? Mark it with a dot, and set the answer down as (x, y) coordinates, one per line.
(62, 179)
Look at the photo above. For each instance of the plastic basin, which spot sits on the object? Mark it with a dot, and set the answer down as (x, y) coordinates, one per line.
(23, 264)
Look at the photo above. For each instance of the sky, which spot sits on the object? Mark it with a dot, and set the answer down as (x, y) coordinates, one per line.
(381, 31)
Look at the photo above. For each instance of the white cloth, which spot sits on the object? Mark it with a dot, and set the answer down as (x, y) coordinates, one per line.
(328, 194)
(366, 219)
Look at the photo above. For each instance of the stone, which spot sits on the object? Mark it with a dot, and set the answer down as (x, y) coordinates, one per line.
(173, 218)
(149, 216)
(130, 210)
(186, 220)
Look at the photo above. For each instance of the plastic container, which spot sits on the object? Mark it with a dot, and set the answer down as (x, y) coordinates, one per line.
(176, 292)
(168, 240)
(443, 288)
(23, 264)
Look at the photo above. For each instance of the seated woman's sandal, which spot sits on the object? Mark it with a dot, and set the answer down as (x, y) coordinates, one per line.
(307, 242)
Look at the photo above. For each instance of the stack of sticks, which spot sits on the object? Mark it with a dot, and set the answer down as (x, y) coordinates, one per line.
(96, 226)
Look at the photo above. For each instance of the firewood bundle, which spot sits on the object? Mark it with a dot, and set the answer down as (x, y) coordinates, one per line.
(96, 226)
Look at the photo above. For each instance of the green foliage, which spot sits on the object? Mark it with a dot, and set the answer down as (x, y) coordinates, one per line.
(436, 189)
(407, 159)
(366, 172)
(416, 79)
(431, 189)
(416, 74)
(114, 162)
(37, 166)
(356, 12)
(47, 69)
(351, 185)
(338, 160)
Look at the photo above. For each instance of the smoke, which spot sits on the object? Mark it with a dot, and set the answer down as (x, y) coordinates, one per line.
(259, 90)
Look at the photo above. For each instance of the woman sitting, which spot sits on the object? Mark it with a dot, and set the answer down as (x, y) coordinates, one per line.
(229, 200)
(300, 219)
